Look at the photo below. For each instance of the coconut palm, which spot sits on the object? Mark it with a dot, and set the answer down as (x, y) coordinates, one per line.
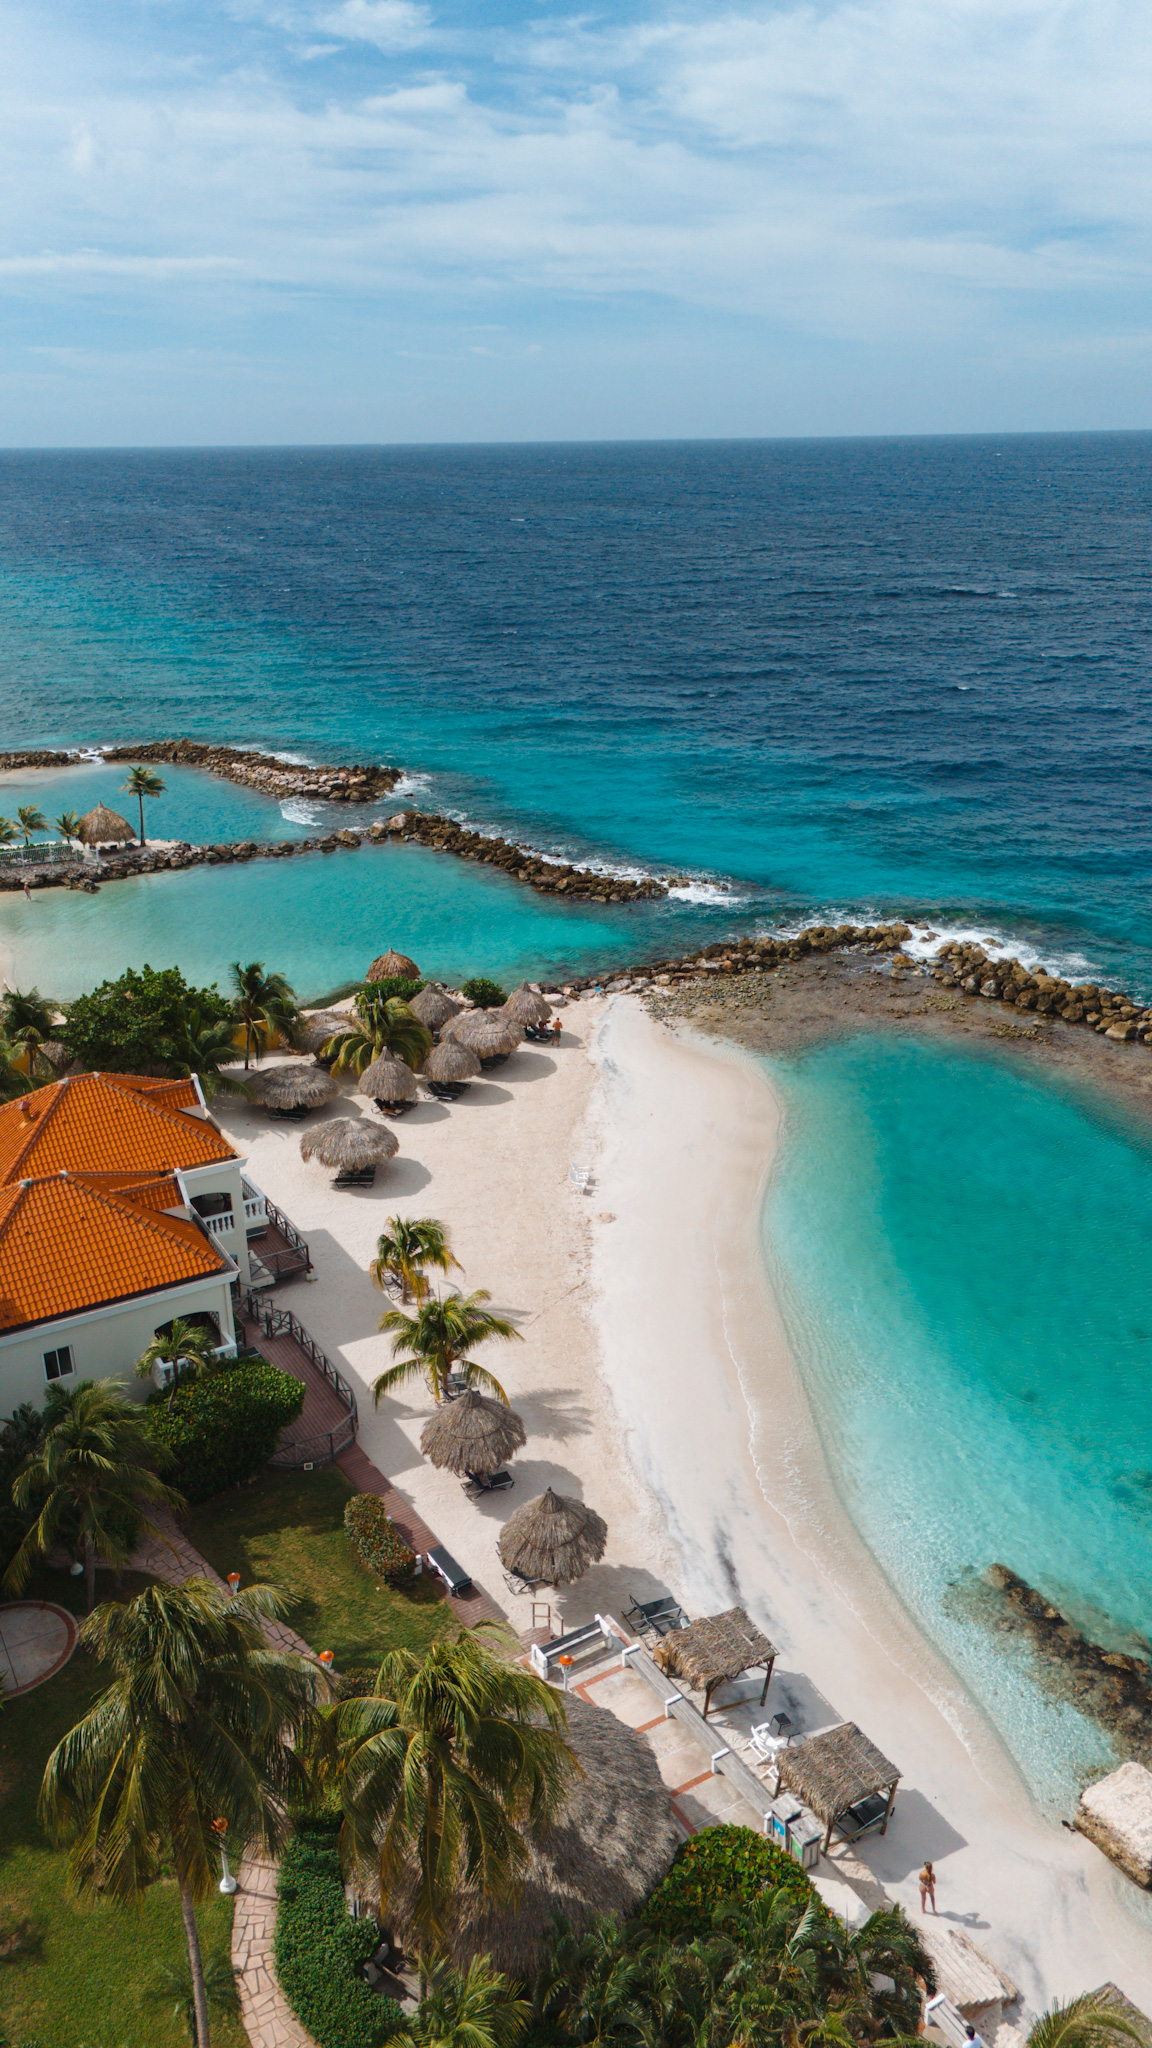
(473, 2008)
(453, 1764)
(405, 1247)
(381, 1024)
(203, 1048)
(89, 1483)
(437, 1339)
(27, 1021)
(201, 1720)
(1094, 2020)
(174, 1988)
(68, 825)
(8, 832)
(142, 782)
(264, 1006)
(190, 1346)
(31, 820)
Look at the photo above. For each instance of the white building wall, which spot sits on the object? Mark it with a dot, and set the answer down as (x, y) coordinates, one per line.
(106, 1342)
(225, 1178)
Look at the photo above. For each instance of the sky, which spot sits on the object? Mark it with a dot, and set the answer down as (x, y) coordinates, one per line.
(423, 220)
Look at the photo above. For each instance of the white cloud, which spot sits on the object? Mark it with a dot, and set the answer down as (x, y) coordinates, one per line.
(388, 24)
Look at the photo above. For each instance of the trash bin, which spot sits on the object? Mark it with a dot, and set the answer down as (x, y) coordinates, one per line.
(781, 1814)
(805, 1833)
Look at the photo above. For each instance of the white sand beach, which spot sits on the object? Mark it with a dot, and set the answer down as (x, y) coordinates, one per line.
(641, 1305)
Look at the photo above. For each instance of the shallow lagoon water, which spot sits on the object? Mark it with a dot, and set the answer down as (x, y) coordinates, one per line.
(961, 1253)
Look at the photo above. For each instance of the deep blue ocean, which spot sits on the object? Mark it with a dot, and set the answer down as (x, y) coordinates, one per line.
(807, 678)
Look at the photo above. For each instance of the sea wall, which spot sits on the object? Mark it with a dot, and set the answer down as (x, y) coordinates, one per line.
(359, 784)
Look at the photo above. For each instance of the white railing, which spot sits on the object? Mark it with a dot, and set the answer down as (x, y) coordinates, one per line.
(255, 1203)
(220, 1226)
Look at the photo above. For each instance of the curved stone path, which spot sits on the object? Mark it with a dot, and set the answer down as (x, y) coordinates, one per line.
(36, 1640)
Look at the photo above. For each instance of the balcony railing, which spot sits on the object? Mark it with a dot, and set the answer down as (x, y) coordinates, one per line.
(255, 1205)
(304, 1450)
(222, 1225)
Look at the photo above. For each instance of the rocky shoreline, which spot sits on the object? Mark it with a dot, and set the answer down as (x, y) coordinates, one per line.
(268, 773)
(1109, 1686)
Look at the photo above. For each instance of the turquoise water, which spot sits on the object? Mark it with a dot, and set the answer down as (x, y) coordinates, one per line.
(962, 1254)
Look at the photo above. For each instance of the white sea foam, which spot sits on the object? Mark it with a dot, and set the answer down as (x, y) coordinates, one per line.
(299, 813)
(699, 891)
(410, 785)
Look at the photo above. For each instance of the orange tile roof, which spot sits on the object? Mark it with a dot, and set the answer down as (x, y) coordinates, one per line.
(107, 1123)
(71, 1243)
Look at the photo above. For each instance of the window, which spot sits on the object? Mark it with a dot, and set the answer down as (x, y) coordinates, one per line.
(58, 1364)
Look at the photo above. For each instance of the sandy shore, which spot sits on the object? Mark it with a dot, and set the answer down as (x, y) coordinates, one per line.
(640, 1306)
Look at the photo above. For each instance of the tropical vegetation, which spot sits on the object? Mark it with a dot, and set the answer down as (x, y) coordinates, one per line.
(218, 1431)
(264, 1005)
(143, 782)
(487, 995)
(68, 825)
(377, 1544)
(477, 2007)
(204, 1045)
(189, 1347)
(713, 1867)
(8, 832)
(380, 1024)
(436, 1341)
(131, 1025)
(320, 1949)
(27, 1026)
(31, 820)
(406, 1247)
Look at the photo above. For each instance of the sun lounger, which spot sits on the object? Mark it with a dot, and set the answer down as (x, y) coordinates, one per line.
(580, 1176)
(476, 1483)
(446, 1091)
(356, 1177)
(445, 1566)
(296, 1115)
(649, 1617)
(519, 1585)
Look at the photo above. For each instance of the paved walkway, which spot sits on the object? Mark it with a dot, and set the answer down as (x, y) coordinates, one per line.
(36, 1640)
(264, 2009)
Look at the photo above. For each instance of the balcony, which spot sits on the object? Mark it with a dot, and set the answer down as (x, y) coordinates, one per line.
(282, 1249)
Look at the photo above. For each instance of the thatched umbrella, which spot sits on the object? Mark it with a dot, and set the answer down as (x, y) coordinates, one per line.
(552, 1540)
(524, 1006)
(716, 1647)
(293, 1086)
(610, 1847)
(391, 964)
(486, 1032)
(450, 1064)
(102, 827)
(56, 1054)
(433, 1008)
(837, 1770)
(321, 1025)
(349, 1145)
(474, 1433)
(388, 1080)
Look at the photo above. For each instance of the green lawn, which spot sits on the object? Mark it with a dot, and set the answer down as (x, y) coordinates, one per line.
(288, 1529)
(75, 1973)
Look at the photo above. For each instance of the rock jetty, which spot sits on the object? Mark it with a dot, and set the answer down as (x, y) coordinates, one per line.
(975, 973)
(267, 772)
(1109, 1686)
(556, 878)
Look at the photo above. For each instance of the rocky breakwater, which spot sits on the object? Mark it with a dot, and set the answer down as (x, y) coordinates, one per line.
(269, 773)
(972, 971)
(732, 967)
(556, 878)
(1111, 1687)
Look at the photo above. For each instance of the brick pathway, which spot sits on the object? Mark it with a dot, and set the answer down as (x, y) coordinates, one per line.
(268, 2021)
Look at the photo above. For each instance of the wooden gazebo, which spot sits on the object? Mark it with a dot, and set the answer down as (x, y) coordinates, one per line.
(844, 1779)
(719, 1647)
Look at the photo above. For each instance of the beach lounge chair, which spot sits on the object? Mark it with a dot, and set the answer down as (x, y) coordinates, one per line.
(476, 1483)
(519, 1585)
(295, 1115)
(446, 1091)
(356, 1177)
(657, 1617)
(766, 1743)
(445, 1566)
(580, 1176)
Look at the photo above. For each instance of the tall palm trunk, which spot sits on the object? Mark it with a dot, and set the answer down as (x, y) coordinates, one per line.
(140, 801)
(196, 1965)
(89, 1573)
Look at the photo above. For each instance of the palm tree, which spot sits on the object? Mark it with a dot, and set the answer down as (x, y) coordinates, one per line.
(1094, 2020)
(173, 1987)
(437, 1340)
(89, 1482)
(404, 1248)
(454, 1763)
(202, 1048)
(473, 2008)
(382, 1024)
(31, 820)
(190, 1346)
(264, 1006)
(8, 832)
(142, 782)
(68, 825)
(27, 1021)
(201, 1720)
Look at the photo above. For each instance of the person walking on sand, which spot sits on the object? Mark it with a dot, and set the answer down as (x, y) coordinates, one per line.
(27, 890)
(927, 1887)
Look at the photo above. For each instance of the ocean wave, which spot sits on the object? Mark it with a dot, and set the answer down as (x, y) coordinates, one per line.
(298, 813)
(707, 892)
(1069, 963)
(410, 785)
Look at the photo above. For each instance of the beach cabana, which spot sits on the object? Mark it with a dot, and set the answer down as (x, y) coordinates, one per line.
(353, 1148)
(844, 1779)
(388, 1083)
(489, 1035)
(719, 1647)
(102, 827)
(611, 1845)
(473, 1434)
(434, 1008)
(524, 1006)
(552, 1540)
(450, 1066)
(293, 1089)
(391, 965)
(319, 1026)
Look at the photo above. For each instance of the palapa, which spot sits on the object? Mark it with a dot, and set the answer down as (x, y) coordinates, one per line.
(611, 1845)
(552, 1540)
(293, 1086)
(474, 1433)
(391, 965)
(56, 1054)
(450, 1064)
(434, 1008)
(524, 1006)
(488, 1034)
(388, 1080)
(715, 1648)
(102, 827)
(319, 1026)
(834, 1771)
(349, 1145)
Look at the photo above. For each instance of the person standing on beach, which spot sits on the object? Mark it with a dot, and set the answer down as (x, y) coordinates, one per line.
(927, 1888)
(27, 890)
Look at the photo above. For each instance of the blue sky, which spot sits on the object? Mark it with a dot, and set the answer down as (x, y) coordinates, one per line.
(380, 220)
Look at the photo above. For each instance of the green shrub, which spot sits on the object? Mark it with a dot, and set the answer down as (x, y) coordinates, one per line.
(719, 1863)
(223, 1429)
(319, 1948)
(394, 985)
(376, 1542)
(125, 1026)
(487, 995)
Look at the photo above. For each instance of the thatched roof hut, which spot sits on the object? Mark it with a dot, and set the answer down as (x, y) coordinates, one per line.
(552, 1540)
(56, 1054)
(102, 827)
(319, 1026)
(474, 1433)
(718, 1647)
(388, 1080)
(451, 1064)
(612, 1846)
(390, 965)
(524, 1006)
(349, 1145)
(836, 1771)
(489, 1034)
(292, 1086)
(434, 1008)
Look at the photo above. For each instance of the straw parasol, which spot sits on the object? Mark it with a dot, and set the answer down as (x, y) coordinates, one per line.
(717, 1647)
(474, 1433)
(392, 964)
(834, 1771)
(293, 1086)
(488, 1034)
(321, 1025)
(552, 1540)
(102, 827)
(349, 1145)
(610, 1847)
(433, 1008)
(524, 1006)
(388, 1080)
(451, 1064)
